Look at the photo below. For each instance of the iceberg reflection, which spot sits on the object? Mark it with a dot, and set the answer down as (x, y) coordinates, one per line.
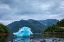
(22, 40)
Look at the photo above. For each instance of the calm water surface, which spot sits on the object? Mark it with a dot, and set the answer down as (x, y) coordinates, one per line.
(34, 38)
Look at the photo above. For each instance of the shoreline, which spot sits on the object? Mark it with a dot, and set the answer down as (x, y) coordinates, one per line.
(4, 34)
(53, 32)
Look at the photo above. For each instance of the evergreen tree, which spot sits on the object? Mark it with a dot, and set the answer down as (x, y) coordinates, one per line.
(3, 28)
(56, 28)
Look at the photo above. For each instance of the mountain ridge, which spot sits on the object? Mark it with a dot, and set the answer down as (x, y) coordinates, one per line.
(35, 25)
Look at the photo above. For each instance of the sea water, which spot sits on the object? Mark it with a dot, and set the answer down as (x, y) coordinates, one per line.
(23, 35)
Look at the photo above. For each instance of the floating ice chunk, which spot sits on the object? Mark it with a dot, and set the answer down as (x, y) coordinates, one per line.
(24, 31)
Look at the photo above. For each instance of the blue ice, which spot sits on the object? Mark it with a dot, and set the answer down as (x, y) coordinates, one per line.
(24, 31)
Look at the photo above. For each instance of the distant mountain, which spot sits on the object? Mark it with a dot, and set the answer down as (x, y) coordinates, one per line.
(35, 26)
(48, 22)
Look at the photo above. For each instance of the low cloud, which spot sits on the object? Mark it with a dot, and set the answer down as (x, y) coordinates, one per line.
(13, 10)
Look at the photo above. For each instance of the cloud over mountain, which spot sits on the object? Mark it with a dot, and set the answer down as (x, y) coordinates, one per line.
(11, 10)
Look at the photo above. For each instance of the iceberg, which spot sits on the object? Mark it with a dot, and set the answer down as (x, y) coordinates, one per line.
(23, 32)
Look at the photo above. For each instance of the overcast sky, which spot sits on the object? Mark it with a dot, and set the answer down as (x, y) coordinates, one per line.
(15, 10)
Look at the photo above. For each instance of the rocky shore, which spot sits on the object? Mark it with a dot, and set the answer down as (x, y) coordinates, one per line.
(45, 40)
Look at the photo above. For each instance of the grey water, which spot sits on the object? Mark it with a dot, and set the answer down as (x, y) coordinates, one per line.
(34, 38)
(39, 38)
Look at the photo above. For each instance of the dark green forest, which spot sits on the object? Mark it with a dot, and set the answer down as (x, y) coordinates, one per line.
(3, 29)
(59, 27)
(61, 23)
